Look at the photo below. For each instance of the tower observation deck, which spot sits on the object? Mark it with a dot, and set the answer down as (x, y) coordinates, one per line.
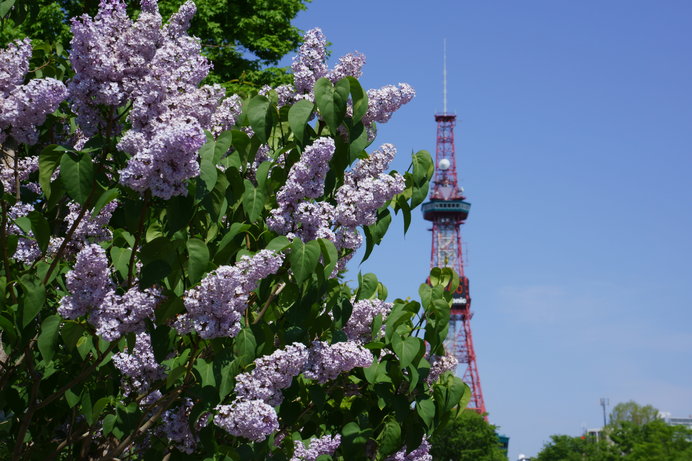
(448, 209)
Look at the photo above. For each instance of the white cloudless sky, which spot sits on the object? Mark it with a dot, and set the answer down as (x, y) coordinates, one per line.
(574, 146)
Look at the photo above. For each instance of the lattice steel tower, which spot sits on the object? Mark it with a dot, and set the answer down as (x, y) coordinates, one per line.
(448, 210)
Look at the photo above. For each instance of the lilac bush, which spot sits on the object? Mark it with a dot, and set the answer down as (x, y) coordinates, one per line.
(173, 264)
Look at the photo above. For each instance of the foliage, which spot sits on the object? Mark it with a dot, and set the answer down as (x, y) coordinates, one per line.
(468, 438)
(625, 440)
(141, 321)
(634, 413)
(244, 39)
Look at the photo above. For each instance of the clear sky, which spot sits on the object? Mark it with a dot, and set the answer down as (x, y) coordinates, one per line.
(574, 145)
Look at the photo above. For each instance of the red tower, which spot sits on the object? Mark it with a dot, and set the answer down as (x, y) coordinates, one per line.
(447, 209)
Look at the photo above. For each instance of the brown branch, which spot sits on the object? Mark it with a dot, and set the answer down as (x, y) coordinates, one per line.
(138, 238)
(277, 291)
(26, 420)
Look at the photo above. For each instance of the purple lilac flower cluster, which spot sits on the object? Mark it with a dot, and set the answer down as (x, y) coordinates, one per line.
(252, 414)
(159, 70)
(359, 325)
(326, 362)
(27, 249)
(176, 427)
(25, 166)
(139, 367)
(215, 307)
(422, 453)
(271, 374)
(91, 229)
(250, 419)
(441, 364)
(109, 54)
(296, 214)
(309, 65)
(92, 292)
(325, 445)
(23, 107)
(366, 188)
(383, 102)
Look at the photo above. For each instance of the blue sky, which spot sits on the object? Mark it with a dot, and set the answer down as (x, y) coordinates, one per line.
(574, 146)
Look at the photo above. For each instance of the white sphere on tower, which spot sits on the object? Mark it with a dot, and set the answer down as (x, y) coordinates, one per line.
(444, 164)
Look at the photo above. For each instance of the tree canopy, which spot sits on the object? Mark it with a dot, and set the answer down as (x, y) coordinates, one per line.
(635, 433)
(467, 438)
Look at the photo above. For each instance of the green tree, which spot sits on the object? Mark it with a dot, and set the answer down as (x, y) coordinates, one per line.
(634, 413)
(244, 39)
(568, 448)
(469, 437)
(652, 441)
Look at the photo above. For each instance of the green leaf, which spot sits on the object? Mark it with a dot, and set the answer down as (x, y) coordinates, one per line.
(304, 258)
(298, 116)
(198, 259)
(206, 372)
(34, 298)
(423, 167)
(278, 243)
(259, 116)
(389, 439)
(48, 161)
(375, 232)
(359, 99)
(40, 229)
(407, 349)
(5, 7)
(77, 175)
(367, 285)
(207, 167)
(223, 144)
(331, 101)
(103, 200)
(330, 255)
(426, 411)
(245, 345)
(253, 201)
(87, 409)
(262, 173)
(121, 260)
(48, 337)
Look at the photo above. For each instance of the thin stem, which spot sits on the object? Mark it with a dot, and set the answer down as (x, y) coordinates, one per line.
(277, 291)
(138, 237)
(26, 420)
(5, 256)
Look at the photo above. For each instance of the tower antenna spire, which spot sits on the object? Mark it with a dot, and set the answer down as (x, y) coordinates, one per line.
(444, 76)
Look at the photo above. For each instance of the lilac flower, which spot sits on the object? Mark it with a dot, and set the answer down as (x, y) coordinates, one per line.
(350, 65)
(169, 114)
(139, 368)
(25, 166)
(306, 177)
(24, 107)
(441, 364)
(309, 65)
(92, 292)
(109, 54)
(271, 374)
(326, 362)
(118, 314)
(383, 102)
(88, 282)
(27, 249)
(359, 325)
(15, 60)
(305, 181)
(91, 229)
(251, 419)
(215, 307)
(325, 445)
(226, 115)
(422, 453)
(366, 188)
(176, 427)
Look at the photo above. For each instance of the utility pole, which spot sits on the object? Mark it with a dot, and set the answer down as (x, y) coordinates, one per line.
(604, 403)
